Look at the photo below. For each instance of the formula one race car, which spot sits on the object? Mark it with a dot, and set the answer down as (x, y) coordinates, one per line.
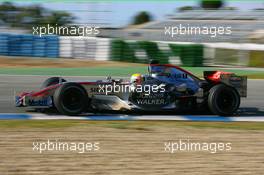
(164, 88)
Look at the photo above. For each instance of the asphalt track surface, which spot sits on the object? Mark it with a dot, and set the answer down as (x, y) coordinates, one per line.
(253, 105)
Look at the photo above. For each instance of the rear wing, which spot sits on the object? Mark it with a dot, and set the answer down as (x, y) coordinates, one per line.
(230, 79)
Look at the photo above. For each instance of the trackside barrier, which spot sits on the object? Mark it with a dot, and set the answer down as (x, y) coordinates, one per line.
(190, 54)
(89, 48)
(95, 48)
(143, 51)
(256, 58)
(52, 46)
(29, 45)
(39, 47)
(103, 46)
(4, 44)
(65, 47)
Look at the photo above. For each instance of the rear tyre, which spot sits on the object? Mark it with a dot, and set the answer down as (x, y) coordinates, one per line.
(223, 100)
(71, 99)
(52, 81)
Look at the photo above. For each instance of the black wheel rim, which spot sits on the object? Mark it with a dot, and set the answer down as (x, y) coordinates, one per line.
(226, 101)
(72, 99)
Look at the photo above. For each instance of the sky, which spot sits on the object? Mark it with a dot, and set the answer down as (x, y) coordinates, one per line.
(118, 14)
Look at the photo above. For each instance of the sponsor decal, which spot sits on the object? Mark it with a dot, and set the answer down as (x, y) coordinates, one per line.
(151, 101)
(176, 76)
(235, 79)
(41, 102)
(157, 99)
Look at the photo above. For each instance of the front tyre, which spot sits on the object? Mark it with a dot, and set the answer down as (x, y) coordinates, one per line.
(71, 99)
(223, 100)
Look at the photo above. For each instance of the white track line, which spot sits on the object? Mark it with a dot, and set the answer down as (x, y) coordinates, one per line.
(137, 117)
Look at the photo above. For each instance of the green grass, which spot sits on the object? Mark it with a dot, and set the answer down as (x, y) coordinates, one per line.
(125, 125)
(115, 71)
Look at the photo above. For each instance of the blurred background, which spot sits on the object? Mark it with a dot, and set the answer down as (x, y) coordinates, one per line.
(134, 31)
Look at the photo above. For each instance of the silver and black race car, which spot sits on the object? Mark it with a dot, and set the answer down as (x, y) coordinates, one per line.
(165, 88)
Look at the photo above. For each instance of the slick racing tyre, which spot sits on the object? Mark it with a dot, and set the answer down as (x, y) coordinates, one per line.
(52, 81)
(71, 99)
(223, 100)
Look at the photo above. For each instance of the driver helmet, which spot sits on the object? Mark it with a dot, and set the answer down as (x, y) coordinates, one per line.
(136, 78)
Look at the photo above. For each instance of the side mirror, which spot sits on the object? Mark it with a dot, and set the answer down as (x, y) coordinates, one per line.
(149, 70)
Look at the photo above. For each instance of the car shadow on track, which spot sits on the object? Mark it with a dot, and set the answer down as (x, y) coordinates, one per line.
(250, 112)
(241, 112)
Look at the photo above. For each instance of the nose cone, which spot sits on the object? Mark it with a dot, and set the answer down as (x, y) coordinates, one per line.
(18, 101)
